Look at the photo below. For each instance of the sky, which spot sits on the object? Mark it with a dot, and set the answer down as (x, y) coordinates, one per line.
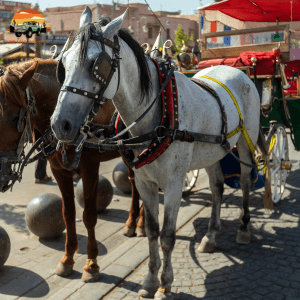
(186, 6)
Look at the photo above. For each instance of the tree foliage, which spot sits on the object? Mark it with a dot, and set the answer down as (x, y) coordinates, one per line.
(180, 36)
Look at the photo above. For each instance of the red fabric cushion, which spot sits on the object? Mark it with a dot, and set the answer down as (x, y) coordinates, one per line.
(265, 62)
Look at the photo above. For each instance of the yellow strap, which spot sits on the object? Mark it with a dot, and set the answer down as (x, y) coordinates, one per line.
(242, 126)
(229, 92)
(233, 132)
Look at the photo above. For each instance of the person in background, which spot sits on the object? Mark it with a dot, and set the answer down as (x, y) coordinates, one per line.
(40, 171)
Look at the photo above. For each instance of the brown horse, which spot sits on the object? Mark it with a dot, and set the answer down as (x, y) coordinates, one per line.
(40, 76)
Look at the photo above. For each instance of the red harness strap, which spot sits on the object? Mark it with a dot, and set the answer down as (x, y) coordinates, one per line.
(169, 119)
(169, 115)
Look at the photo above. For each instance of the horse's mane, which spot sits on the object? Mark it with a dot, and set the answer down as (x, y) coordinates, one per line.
(84, 34)
(9, 82)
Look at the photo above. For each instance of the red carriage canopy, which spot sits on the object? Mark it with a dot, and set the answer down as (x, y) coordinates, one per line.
(258, 10)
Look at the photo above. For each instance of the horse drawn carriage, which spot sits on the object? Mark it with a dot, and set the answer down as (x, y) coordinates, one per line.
(270, 56)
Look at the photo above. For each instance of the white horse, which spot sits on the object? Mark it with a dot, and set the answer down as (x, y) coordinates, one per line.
(198, 112)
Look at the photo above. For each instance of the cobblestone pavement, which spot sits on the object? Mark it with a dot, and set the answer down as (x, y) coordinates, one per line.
(267, 268)
(29, 271)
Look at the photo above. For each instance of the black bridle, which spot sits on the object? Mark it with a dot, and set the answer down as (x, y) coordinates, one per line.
(103, 71)
(11, 161)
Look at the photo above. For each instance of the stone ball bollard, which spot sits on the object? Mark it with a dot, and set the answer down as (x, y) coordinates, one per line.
(4, 246)
(120, 178)
(44, 216)
(104, 194)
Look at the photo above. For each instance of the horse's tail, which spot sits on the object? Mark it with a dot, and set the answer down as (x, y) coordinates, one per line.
(268, 203)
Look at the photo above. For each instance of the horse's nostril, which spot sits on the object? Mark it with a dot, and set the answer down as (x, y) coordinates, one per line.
(66, 126)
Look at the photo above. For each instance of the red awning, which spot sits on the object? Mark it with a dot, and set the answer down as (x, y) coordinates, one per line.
(259, 10)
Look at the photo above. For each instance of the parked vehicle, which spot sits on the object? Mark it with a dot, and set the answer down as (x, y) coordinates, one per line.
(28, 28)
(268, 55)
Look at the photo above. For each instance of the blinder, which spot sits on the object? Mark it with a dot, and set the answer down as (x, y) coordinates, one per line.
(102, 68)
(60, 72)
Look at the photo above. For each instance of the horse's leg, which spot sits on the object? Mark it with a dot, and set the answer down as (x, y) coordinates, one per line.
(130, 225)
(89, 175)
(141, 223)
(64, 180)
(149, 194)
(172, 200)
(216, 182)
(243, 235)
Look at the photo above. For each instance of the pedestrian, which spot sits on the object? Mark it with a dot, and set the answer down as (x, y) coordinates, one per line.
(40, 171)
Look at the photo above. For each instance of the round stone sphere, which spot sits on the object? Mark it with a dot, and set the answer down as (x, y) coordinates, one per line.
(4, 246)
(44, 216)
(120, 178)
(104, 194)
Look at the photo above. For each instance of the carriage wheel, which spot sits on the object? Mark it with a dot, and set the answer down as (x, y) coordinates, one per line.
(189, 181)
(278, 153)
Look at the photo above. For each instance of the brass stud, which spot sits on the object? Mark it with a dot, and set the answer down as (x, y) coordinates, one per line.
(85, 93)
(97, 76)
(96, 68)
(96, 96)
(95, 73)
(74, 90)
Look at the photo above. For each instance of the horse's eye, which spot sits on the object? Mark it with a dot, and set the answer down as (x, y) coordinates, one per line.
(91, 63)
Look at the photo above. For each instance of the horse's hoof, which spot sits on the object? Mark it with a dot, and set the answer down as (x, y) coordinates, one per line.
(92, 275)
(140, 232)
(206, 246)
(163, 296)
(147, 292)
(63, 270)
(128, 231)
(243, 237)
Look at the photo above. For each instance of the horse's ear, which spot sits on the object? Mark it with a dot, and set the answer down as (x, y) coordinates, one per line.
(113, 27)
(27, 75)
(86, 16)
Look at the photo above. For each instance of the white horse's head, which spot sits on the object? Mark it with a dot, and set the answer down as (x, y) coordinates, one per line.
(76, 70)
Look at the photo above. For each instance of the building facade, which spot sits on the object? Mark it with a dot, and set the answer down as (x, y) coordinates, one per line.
(141, 21)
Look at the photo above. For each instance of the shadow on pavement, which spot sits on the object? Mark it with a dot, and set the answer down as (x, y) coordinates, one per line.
(12, 215)
(59, 244)
(23, 280)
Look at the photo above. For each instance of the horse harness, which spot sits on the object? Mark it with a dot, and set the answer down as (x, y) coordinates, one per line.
(161, 138)
(16, 157)
(167, 131)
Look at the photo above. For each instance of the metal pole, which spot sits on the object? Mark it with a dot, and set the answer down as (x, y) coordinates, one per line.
(27, 49)
(138, 30)
(112, 10)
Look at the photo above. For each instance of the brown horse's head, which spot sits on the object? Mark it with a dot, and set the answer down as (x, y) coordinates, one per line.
(13, 111)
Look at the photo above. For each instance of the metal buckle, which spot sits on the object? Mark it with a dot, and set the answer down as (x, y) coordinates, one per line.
(174, 134)
(159, 138)
(80, 144)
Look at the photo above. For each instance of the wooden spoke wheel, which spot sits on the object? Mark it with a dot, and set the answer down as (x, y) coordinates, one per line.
(189, 181)
(278, 153)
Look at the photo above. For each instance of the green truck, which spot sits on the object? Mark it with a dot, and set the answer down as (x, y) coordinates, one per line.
(27, 28)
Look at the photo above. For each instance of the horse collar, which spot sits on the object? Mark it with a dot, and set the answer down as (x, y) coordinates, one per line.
(169, 119)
